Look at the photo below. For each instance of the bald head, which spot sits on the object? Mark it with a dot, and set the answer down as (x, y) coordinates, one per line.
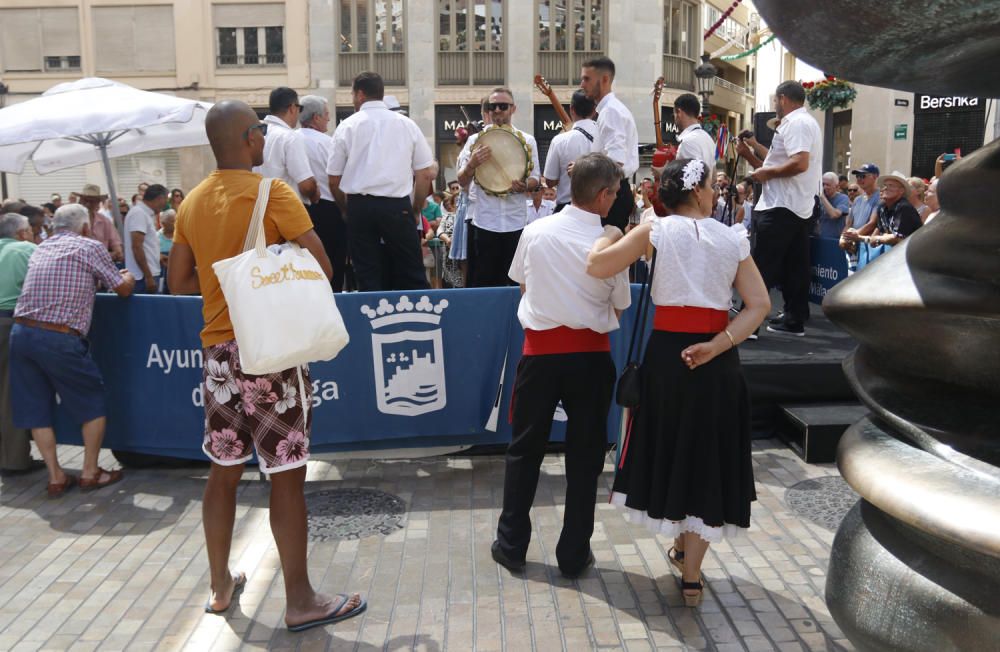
(228, 126)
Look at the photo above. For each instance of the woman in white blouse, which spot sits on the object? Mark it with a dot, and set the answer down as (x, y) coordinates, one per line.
(685, 468)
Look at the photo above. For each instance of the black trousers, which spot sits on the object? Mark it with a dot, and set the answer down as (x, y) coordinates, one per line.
(384, 226)
(332, 231)
(490, 255)
(584, 382)
(621, 210)
(781, 252)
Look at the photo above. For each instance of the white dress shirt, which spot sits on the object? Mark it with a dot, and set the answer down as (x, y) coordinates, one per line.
(696, 261)
(546, 208)
(141, 219)
(798, 132)
(564, 149)
(318, 146)
(376, 151)
(697, 144)
(499, 214)
(551, 262)
(284, 155)
(616, 134)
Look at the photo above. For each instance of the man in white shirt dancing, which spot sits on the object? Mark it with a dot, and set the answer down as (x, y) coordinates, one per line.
(566, 316)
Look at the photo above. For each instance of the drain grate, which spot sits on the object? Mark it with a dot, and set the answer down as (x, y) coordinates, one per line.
(353, 513)
(823, 501)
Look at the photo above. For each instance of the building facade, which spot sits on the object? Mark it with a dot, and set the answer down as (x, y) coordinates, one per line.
(438, 57)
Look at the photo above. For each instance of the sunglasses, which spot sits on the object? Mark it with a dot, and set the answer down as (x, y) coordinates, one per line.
(498, 106)
(860, 175)
(853, 190)
(261, 125)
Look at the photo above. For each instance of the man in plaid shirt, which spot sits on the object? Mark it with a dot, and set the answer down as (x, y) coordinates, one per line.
(49, 353)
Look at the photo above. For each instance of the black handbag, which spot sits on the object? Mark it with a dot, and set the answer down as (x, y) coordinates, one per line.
(629, 387)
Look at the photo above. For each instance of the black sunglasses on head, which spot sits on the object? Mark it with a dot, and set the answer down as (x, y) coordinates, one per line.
(260, 125)
(498, 106)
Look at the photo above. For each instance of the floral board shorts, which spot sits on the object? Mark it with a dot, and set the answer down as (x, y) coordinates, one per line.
(266, 412)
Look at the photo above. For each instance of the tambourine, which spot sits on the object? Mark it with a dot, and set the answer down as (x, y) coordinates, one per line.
(510, 160)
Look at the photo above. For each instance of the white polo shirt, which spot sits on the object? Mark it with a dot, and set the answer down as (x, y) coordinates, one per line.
(499, 214)
(551, 262)
(284, 155)
(798, 132)
(318, 146)
(376, 151)
(564, 149)
(697, 144)
(546, 208)
(616, 134)
(141, 219)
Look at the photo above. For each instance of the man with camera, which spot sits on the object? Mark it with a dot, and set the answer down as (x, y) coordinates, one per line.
(789, 174)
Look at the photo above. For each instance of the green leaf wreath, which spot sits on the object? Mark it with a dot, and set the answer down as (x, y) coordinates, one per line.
(830, 93)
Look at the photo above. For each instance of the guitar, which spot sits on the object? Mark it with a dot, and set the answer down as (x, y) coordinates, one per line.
(657, 91)
(542, 85)
(663, 154)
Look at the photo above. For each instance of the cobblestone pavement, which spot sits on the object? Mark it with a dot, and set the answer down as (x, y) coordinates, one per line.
(125, 568)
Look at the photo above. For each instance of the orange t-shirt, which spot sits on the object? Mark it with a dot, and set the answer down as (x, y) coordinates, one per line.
(213, 221)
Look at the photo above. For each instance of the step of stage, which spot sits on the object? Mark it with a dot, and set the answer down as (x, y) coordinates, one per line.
(813, 430)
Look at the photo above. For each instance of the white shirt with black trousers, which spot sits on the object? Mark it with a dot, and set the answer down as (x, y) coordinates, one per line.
(567, 316)
(618, 138)
(563, 150)
(326, 218)
(781, 216)
(497, 220)
(376, 153)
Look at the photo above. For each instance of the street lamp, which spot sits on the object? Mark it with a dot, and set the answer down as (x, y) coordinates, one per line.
(4, 89)
(705, 77)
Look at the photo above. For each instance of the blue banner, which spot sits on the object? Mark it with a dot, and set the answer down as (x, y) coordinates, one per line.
(829, 267)
(428, 368)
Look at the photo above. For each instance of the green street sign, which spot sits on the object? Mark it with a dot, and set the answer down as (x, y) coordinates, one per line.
(899, 133)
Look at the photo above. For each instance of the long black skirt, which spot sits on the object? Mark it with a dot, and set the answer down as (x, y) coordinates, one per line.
(685, 463)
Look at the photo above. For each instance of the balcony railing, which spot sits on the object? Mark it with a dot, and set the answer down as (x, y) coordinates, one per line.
(391, 65)
(563, 68)
(736, 88)
(470, 68)
(678, 72)
(233, 60)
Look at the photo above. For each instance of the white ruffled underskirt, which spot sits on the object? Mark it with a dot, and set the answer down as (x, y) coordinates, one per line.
(672, 529)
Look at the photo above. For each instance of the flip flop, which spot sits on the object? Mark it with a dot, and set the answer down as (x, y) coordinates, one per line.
(333, 617)
(241, 583)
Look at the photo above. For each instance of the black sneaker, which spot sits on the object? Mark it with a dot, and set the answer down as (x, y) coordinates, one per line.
(780, 319)
(753, 335)
(785, 328)
(499, 557)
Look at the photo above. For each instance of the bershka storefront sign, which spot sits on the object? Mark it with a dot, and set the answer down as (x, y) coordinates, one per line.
(934, 104)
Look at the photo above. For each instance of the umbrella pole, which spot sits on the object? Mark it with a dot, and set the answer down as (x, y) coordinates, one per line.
(112, 194)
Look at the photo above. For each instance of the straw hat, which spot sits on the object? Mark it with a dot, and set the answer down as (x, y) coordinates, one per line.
(899, 178)
(91, 191)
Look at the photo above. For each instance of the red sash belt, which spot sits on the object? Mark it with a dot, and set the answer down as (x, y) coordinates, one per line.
(563, 339)
(690, 319)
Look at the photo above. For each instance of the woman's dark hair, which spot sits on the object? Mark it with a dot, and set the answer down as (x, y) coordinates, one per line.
(672, 192)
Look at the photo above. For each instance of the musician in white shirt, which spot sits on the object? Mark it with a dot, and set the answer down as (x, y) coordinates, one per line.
(497, 223)
(694, 141)
(284, 152)
(566, 316)
(569, 146)
(616, 135)
(380, 161)
(329, 224)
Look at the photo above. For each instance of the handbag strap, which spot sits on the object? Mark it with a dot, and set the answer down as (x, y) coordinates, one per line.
(645, 298)
(255, 232)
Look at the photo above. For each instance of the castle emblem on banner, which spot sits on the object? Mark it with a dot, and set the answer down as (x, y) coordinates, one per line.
(408, 354)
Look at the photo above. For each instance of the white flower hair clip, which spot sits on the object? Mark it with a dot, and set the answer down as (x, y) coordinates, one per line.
(691, 176)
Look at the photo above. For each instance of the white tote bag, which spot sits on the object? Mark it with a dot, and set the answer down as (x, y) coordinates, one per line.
(281, 304)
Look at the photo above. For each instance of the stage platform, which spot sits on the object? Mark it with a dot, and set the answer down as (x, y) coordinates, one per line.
(783, 369)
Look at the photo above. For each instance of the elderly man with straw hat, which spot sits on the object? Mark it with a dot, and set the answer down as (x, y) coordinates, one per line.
(894, 219)
(102, 228)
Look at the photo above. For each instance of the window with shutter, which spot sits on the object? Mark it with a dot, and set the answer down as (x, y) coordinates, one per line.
(134, 39)
(36, 40)
(249, 34)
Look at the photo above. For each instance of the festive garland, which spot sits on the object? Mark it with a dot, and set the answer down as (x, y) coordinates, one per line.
(728, 12)
(754, 50)
(830, 93)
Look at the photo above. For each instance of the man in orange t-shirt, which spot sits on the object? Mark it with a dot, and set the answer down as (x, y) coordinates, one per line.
(245, 412)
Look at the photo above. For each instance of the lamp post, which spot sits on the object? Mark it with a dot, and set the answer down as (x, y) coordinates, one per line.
(4, 89)
(705, 78)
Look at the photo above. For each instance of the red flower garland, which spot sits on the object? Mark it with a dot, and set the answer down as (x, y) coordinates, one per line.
(726, 14)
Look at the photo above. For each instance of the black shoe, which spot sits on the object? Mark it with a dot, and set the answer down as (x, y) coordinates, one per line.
(780, 319)
(753, 336)
(575, 574)
(505, 561)
(35, 465)
(785, 328)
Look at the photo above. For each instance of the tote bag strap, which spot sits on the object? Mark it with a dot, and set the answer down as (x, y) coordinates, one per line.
(255, 232)
(645, 298)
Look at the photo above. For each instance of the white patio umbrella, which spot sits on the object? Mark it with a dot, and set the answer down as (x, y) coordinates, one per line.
(95, 119)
